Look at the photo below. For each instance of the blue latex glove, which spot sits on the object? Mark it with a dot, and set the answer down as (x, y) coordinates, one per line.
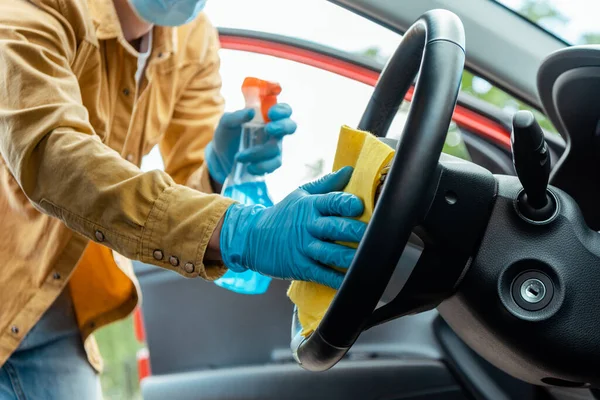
(293, 239)
(222, 151)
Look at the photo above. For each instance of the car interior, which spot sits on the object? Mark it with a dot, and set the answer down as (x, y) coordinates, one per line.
(485, 286)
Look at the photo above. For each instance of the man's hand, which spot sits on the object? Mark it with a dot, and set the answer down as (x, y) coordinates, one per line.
(222, 151)
(294, 239)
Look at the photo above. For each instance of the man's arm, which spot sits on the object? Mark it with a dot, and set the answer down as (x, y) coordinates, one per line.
(196, 114)
(65, 170)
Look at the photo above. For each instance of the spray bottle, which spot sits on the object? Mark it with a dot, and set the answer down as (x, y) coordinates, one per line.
(244, 187)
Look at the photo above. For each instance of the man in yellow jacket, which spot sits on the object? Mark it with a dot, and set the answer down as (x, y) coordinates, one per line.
(87, 87)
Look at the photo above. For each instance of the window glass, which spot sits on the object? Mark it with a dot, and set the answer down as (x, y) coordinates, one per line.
(574, 21)
(483, 90)
(322, 22)
(318, 21)
(322, 103)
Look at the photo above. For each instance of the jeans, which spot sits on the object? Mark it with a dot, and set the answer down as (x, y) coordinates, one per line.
(51, 362)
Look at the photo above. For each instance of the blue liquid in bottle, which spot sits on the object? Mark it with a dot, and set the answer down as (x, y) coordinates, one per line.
(251, 190)
(249, 193)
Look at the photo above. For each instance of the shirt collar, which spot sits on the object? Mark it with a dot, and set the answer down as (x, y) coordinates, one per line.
(108, 26)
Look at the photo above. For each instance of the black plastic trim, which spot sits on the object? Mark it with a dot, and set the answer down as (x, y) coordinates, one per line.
(568, 83)
(493, 158)
(554, 342)
(393, 379)
(479, 379)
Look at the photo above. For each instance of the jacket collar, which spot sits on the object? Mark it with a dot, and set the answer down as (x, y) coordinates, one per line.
(107, 24)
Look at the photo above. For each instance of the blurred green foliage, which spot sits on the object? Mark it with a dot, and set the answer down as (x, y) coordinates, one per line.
(483, 90)
(535, 10)
(541, 12)
(545, 14)
(455, 145)
(119, 346)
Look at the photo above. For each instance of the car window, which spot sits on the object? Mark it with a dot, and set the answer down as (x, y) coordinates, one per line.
(336, 27)
(573, 21)
(484, 90)
(318, 21)
(322, 102)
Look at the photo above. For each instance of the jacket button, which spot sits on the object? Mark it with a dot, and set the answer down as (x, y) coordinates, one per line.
(158, 254)
(126, 92)
(56, 276)
(99, 236)
(160, 55)
(14, 329)
(174, 261)
(188, 267)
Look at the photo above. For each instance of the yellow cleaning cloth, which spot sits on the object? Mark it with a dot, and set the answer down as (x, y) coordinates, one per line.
(368, 156)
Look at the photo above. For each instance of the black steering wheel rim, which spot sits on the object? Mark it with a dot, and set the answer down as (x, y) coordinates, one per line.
(435, 45)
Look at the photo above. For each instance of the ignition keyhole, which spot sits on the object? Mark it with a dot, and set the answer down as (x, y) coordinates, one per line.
(533, 290)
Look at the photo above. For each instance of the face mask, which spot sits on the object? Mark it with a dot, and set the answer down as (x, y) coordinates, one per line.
(168, 12)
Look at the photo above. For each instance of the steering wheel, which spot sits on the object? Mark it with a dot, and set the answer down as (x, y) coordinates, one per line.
(435, 45)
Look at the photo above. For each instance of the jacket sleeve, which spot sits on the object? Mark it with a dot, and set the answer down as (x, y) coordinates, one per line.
(65, 170)
(196, 113)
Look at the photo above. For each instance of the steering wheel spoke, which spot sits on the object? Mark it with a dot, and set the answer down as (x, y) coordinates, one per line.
(451, 231)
